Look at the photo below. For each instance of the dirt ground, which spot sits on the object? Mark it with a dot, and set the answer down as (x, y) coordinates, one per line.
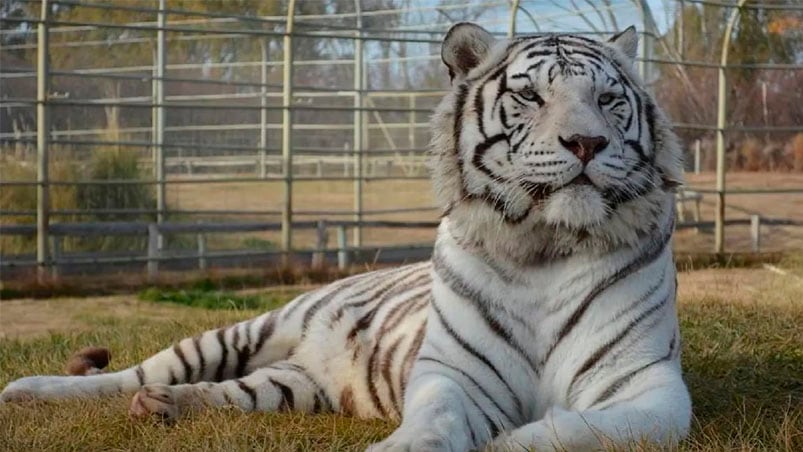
(27, 317)
(741, 206)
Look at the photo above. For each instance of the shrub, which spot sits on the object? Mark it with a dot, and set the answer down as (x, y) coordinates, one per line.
(23, 197)
(774, 158)
(112, 165)
(751, 154)
(106, 164)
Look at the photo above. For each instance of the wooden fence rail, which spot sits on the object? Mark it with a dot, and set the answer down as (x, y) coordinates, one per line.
(343, 253)
(154, 232)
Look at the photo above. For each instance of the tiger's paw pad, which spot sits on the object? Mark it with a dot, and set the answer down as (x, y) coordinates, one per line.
(154, 401)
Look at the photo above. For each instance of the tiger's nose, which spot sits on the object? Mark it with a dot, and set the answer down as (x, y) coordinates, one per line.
(584, 147)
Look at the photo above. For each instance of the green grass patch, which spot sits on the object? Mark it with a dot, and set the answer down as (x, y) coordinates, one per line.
(205, 295)
(27, 285)
(256, 243)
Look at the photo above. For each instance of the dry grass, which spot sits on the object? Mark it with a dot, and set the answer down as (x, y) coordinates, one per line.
(743, 358)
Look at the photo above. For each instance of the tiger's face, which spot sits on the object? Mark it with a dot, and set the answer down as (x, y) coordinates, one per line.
(551, 130)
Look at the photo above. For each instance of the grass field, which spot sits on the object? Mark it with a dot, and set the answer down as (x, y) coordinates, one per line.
(743, 361)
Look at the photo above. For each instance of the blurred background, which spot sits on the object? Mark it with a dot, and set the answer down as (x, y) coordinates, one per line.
(148, 136)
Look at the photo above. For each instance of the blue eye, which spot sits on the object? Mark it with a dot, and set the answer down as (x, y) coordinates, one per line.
(530, 95)
(607, 98)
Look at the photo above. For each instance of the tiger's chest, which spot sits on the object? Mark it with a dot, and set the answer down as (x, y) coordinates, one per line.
(535, 331)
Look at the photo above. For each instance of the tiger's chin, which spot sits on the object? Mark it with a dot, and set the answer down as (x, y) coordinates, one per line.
(576, 206)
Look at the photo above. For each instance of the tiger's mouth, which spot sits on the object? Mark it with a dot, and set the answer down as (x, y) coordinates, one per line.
(540, 191)
(581, 179)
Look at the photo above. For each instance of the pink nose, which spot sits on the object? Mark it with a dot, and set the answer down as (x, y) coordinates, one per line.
(585, 148)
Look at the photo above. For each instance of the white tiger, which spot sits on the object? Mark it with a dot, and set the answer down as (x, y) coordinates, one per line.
(546, 317)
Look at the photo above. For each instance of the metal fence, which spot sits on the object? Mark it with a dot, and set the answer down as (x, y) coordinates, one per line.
(256, 133)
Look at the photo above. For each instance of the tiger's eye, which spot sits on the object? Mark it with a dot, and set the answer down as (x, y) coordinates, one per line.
(606, 98)
(529, 94)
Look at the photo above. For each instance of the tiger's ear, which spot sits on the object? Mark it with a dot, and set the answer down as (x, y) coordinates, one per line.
(626, 41)
(464, 48)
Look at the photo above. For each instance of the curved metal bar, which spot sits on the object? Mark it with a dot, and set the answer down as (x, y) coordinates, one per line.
(357, 138)
(514, 9)
(287, 132)
(42, 145)
(722, 95)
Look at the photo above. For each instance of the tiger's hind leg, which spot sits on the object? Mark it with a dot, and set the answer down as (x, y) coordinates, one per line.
(214, 355)
(283, 386)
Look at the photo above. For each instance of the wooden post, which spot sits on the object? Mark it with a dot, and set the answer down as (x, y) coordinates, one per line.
(55, 270)
(319, 256)
(696, 156)
(201, 239)
(342, 252)
(409, 167)
(680, 206)
(153, 250)
(411, 128)
(346, 159)
(755, 233)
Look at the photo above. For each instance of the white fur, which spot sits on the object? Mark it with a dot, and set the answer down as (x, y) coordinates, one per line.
(513, 267)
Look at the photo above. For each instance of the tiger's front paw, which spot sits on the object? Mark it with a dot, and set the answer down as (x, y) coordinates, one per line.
(535, 436)
(426, 442)
(155, 400)
(506, 443)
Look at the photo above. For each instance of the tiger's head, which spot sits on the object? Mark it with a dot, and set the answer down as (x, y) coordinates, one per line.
(550, 141)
